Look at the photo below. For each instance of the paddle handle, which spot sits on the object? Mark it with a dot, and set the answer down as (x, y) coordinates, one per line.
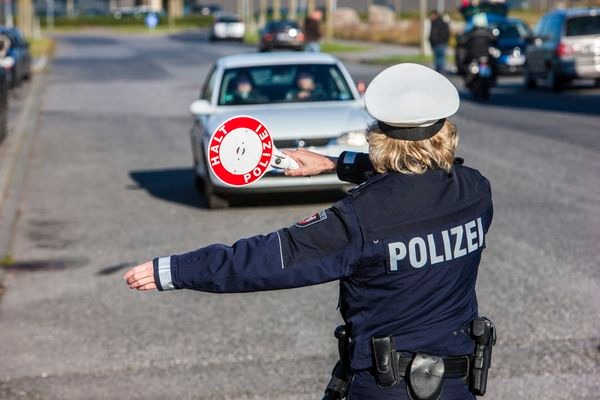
(281, 161)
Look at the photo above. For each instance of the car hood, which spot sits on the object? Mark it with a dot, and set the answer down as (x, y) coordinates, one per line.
(299, 121)
(510, 43)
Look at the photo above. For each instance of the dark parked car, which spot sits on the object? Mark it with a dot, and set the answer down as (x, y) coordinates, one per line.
(281, 35)
(511, 38)
(566, 46)
(17, 61)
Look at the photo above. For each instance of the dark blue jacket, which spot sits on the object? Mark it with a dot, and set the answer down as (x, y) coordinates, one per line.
(406, 249)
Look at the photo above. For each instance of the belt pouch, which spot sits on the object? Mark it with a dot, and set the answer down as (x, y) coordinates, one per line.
(386, 367)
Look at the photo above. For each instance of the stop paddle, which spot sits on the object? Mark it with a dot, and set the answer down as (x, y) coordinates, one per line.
(241, 151)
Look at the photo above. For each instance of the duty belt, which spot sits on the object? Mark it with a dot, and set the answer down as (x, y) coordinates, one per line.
(454, 367)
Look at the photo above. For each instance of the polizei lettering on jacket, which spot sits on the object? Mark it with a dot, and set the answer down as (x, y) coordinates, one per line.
(438, 247)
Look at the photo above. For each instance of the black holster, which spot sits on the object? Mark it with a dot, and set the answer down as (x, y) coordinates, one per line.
(483, 332)
(340, 376)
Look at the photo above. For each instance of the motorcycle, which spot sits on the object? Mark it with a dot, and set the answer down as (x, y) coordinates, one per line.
(479, 78)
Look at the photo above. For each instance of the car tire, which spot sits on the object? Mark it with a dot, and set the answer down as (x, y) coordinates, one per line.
(530, 82)
(213, 200)
(597, 82)
(16, 80)
(205, 186)
(553, 80)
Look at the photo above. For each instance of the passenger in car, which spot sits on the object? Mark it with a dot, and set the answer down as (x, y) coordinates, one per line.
(306, 88)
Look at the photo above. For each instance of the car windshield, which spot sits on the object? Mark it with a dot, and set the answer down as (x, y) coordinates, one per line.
(228, 19)
(282, 25)
(508, 30)
(580, 26)
(283, 84)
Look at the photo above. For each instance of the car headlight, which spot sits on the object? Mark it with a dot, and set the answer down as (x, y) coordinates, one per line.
(7, 62)
(495, 52)
(352, 138)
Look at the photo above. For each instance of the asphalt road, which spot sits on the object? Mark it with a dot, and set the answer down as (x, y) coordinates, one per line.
(109, 185)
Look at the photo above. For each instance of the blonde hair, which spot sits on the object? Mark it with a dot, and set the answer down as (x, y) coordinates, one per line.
(412, 157)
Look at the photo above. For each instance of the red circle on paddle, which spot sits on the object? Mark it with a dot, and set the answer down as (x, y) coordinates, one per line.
(240, 151)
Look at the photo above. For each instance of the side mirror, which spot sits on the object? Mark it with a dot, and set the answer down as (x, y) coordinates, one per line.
(201, 107)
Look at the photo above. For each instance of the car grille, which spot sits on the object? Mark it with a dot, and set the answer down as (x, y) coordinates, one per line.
(293, 143)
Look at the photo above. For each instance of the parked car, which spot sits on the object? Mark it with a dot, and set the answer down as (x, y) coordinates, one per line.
(270, 87)
(512, 37)
(17, 61)
(281, 35)
(566, 46)
(135, 12)
(227, 27)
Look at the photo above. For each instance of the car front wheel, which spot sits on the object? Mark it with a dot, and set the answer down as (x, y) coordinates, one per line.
(204, 185)
(530, 82)
(554, 81)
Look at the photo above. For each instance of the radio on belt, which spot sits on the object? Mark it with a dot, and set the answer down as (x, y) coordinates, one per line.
(241, 151)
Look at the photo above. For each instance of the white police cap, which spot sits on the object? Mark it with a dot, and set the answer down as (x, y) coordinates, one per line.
(411, 101)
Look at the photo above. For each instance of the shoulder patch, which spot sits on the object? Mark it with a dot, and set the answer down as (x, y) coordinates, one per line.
(313, 219)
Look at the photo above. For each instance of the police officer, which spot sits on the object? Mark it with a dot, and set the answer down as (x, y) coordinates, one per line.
(405, 245)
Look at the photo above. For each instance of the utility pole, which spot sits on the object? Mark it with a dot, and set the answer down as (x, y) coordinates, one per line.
(422, 18)
(240, 9)
(50, 14)
(329, 20)
(175, 9)
(292, 8)
(398, 6)
(310, 6)
(262, 16)
(25, 17)
(70, 8)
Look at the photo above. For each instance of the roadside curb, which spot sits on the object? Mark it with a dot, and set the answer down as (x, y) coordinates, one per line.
(14, 157)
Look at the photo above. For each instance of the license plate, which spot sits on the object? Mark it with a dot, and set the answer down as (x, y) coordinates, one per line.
(283, 36)
(485, 71)
(516, 60)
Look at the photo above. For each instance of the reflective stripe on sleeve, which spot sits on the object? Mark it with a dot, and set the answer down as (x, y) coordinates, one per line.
(164, 273)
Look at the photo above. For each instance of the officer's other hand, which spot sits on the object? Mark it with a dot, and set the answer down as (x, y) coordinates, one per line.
(141, 277)
(310, 163)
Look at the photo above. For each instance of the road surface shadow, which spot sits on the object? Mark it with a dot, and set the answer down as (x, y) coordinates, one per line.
(190, 36)
(177, 185)
(114, 268)
(573, 99)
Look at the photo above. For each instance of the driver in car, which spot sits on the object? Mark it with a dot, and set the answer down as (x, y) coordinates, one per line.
(306, 88)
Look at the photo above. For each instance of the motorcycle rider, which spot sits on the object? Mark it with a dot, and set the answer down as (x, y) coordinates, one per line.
(477, 43)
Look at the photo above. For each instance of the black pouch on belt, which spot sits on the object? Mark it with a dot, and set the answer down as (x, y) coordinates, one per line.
(386, 365)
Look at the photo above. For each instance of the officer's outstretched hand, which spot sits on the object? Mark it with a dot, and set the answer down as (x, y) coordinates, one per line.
(310, 163)
(141, 277)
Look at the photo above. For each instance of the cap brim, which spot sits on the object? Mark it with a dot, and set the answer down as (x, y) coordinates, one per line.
(412, 133)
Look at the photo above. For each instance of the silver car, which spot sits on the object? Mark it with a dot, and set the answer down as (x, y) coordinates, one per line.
(566, 46)
(305, 99)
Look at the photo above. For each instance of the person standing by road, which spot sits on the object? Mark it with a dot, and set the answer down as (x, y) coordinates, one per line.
(312, 30)
(405, 246)
(439, 36)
